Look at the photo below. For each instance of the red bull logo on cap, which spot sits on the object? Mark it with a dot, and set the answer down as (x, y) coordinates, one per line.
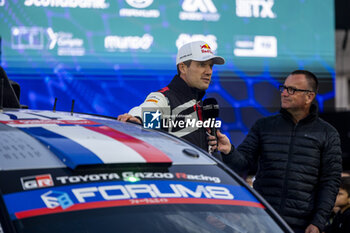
(206, 49)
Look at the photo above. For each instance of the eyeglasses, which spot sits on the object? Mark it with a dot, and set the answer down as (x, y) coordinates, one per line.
(292, 90)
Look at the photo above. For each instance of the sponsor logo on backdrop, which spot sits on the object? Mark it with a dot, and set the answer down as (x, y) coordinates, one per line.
(139, 3)
(38, 38)
(137, 10)
(255, 8)
(93, 4)
(185, 38)
(2, 3)
(113, 43)
(198, 10)
(66, 44)
(257, 46)
(27, 38)
(39, 181)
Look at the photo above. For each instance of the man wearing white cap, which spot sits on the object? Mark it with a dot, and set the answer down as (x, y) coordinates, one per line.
(182, 98)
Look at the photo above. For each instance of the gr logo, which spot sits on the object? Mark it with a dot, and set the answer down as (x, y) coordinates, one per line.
(151, 120)
(39, 181)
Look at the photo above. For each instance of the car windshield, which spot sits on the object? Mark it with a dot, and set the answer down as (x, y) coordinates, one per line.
(188, 218)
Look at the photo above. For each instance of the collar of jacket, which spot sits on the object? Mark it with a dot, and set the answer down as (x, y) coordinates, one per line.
(179, 85)
(311, 117)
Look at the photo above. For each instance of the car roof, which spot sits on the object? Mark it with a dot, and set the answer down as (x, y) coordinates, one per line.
(33, 139)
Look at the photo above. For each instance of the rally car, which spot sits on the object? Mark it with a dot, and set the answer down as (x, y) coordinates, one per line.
(69, 172)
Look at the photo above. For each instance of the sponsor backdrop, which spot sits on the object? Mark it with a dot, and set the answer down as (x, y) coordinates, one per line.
(108, 54)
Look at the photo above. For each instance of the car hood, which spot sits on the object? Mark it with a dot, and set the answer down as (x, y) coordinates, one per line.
(46, 139)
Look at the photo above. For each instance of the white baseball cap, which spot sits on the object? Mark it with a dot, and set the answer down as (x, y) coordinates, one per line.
(197, 51)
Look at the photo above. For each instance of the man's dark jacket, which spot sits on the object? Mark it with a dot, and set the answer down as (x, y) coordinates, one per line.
(177, 102)
(299, 166)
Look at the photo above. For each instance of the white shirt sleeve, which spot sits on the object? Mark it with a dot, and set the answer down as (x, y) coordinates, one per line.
(153, 102)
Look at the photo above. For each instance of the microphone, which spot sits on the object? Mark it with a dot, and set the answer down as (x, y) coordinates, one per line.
(210, 108)
(211, 112)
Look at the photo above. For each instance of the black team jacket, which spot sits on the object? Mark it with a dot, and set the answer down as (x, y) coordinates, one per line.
(176, 102)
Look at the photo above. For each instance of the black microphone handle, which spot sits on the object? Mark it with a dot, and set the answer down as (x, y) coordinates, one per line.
(213, 132)
(216, 153)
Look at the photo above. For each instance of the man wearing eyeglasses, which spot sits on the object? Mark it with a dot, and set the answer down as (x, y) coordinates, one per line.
(298, 156)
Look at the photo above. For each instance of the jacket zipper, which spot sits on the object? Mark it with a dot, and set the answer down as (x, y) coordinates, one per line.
(285, 186)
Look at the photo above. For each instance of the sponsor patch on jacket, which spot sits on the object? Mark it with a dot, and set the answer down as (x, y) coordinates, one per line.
(152, 100)
(154, 97)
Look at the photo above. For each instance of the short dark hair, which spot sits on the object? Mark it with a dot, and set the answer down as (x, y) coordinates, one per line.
(345, 184)
(187, 63)
(310, 77)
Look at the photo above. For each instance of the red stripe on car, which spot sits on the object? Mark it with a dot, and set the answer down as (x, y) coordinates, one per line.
(150, 153)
